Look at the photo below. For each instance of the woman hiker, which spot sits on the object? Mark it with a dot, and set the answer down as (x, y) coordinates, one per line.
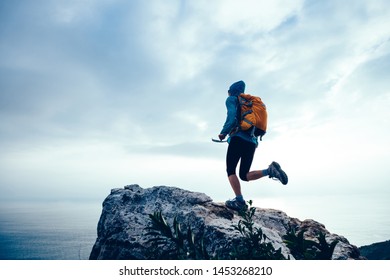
(242, 146)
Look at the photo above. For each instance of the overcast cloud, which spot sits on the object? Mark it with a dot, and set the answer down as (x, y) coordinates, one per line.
(100, 94)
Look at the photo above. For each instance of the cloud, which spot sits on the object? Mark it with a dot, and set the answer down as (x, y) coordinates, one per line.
(149, 78)
(247, 17)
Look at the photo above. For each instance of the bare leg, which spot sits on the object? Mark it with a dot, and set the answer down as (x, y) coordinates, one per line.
(235, 183)
(254, 175)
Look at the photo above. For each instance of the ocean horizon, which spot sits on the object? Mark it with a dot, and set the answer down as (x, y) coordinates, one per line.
(66, 230)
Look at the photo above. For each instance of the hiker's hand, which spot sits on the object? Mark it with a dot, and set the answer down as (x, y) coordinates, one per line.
(221, 136)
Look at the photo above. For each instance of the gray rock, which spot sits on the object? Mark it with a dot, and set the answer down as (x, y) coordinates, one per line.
(122, 233)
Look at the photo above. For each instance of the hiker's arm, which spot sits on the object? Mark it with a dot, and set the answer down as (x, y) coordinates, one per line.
(231, 118)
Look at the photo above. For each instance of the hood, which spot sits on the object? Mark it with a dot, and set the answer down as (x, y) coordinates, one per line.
(237, 88)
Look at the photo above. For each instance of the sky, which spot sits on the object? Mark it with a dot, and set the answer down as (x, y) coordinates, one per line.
(96, 95)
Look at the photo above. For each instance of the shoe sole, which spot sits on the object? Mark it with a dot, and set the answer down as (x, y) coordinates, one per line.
(283, 175)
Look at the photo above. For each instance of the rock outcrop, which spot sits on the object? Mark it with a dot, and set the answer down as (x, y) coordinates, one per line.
(124, 219)
(376, 251)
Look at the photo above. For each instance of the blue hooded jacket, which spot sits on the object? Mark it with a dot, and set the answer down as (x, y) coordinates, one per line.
(231, 119)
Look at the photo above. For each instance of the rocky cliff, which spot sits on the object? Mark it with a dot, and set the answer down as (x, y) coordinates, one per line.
(376, 251)
(125, 217)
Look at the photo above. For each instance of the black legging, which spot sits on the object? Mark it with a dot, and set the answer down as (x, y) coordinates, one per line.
(239, 149)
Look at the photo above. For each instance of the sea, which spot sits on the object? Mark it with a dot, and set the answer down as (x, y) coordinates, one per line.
(48, 230)
(67, 230)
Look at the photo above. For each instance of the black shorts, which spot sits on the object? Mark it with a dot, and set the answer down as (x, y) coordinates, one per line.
(240, 149)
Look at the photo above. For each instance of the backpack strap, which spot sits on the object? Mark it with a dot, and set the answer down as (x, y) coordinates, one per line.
(241, 102)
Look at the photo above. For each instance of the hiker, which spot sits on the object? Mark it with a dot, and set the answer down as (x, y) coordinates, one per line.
(242, 146)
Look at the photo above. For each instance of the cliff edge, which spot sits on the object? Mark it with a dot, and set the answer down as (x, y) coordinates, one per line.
(125, 217)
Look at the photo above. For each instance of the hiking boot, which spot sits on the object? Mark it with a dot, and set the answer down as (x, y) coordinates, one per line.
(236, 205)
(275, 172)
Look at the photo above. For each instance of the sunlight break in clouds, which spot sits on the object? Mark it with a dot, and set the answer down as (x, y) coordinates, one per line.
(247, 17)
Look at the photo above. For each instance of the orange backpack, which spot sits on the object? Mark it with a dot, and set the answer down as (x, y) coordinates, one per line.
(253, 114)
